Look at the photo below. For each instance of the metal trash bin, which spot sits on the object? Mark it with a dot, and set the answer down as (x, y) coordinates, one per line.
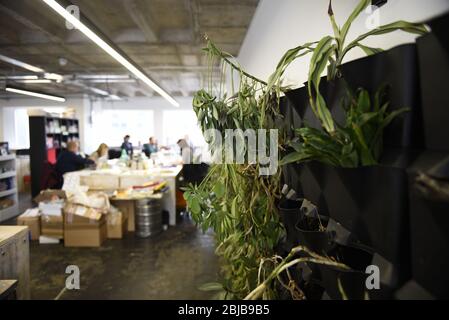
(148, 217)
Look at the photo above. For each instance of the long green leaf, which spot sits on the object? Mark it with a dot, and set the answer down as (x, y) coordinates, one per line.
(211, 286)
(320, 49)
(293, 157)
(319, 61)
(367, 117)
(393, 115)
(363, 103)
(334, 23)
(357, 11)
(369, 50)
(417, 28)
(290, 56)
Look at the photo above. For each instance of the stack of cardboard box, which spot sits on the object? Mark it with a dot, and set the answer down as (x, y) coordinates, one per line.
(50, 204)
(116, 223)
(32, 219)
(83, 226)
(83, 221)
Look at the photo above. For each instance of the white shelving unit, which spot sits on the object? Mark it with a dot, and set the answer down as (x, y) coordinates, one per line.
(8, 172)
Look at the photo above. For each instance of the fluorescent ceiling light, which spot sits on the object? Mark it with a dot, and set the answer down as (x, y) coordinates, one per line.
(35, 81)
(114, 97)
(111, 51)
(20, 78)
(35, 94)
(102, 76)
(21, 64)
(54, 76)
(110, 80)
(99, 91)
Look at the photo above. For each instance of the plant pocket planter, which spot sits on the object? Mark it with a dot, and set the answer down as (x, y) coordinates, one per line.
(296, 109)
(430, 244)
(439, 29)
(310, 235)
(398, 68)
(342, 284)
(290, 214)
(371, 203)
(434, 68)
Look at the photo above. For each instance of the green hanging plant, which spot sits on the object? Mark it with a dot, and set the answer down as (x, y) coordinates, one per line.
(358, 142)
(234, 200)
(237, 203)
(331, 50)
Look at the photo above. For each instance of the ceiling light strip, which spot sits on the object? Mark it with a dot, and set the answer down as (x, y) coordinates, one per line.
(21, 64)
(35, 94)
(19, 77)
(34, 81)
(108, 49)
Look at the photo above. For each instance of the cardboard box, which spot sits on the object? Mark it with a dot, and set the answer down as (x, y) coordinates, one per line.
(89, 235)
(49, 195)
(32, 219)
(92, 199)
(51, 208)
(116, 224)
(83, 230)
(52, 226)
(128, 209)
(76, 213)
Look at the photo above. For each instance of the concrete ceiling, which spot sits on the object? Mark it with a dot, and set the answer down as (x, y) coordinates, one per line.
(163, 37)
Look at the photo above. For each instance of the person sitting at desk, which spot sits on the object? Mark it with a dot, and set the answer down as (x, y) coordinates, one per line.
(127, 146)
(102, 153)
(186, 151)
(151, 147)
(70, 160)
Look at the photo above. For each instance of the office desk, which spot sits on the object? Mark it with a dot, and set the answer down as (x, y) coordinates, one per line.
(123, 178)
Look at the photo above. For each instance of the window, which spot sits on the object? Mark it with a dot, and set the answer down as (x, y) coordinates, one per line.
(180, 123)
(16, 128)
(112, 125)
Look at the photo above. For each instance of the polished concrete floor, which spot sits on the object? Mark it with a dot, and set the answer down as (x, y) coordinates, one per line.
(171, 265)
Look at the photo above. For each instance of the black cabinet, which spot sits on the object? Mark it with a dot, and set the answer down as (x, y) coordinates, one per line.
(48, 137)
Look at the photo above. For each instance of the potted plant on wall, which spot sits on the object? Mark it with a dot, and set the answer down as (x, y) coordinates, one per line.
(341, 156)
(239, 204)
(235, 200)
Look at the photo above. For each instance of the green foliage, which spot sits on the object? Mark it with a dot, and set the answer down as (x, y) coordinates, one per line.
(358, 142)
(297, 256)
(233, 200)
(239, 206)
(339, 40)
(329, 53)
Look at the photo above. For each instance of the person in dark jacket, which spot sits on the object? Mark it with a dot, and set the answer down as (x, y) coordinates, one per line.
(127, 146)
(69, 160)
(150, 147)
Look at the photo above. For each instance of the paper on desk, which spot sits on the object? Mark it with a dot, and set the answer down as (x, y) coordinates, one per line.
(72, 184)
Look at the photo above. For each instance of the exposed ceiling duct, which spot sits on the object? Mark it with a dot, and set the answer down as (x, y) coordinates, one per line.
(168, 50)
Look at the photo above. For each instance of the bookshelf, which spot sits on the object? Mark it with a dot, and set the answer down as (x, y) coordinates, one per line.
(9, 201)
(48, 137)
